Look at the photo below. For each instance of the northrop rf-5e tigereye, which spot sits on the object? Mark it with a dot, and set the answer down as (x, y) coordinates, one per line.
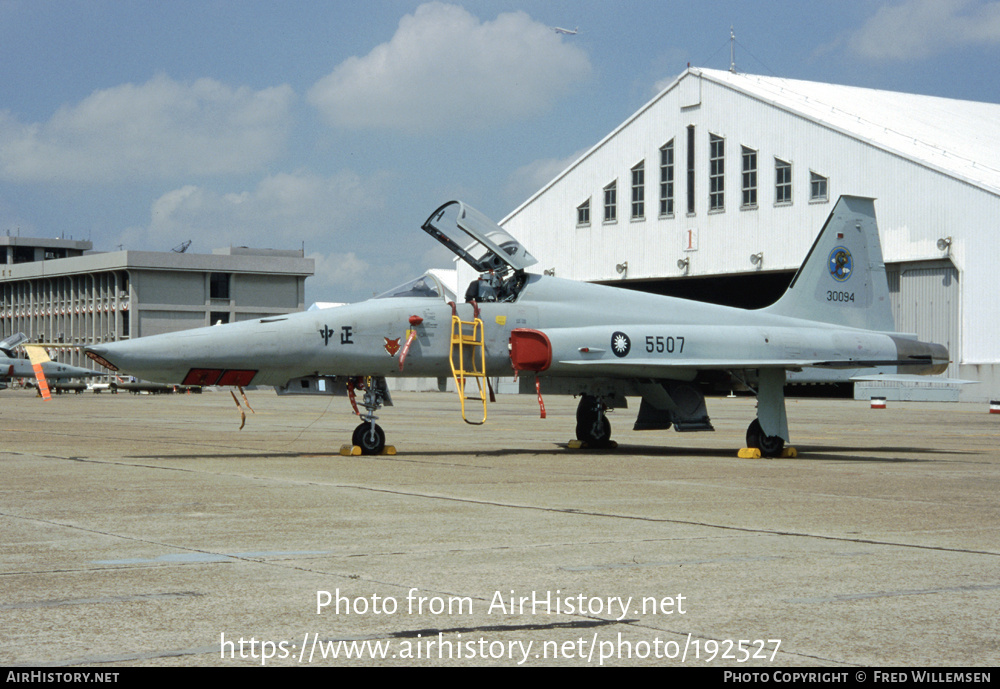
(564, 337)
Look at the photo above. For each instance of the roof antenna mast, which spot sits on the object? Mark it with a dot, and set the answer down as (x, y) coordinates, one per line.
(732, 50)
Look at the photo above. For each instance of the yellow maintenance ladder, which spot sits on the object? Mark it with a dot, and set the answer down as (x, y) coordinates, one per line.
(468, 358)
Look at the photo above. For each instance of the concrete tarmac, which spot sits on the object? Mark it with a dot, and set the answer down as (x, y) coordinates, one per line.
(150, 530)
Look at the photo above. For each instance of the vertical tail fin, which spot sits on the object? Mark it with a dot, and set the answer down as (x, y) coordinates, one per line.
(7, 345)
(842, 281)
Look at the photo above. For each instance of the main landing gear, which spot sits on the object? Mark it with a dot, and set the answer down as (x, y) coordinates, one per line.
(592, 426)
(770, 415)
(769, 445)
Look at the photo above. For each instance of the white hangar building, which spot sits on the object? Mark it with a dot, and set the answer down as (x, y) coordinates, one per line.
(717, 187)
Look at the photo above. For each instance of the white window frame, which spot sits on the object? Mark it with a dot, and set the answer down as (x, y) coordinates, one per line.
(667, 180)
(782, 186)
(610, 214)
(638, 206)
(749, 174)
(716, 173)
(814, 179)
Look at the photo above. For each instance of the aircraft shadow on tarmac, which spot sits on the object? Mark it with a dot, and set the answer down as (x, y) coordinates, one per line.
(805, 453)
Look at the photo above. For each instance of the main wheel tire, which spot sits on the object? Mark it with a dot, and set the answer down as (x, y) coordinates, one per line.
(588, 430)
(769, 445)
(370, 438)
(585, 409)
(593, 435)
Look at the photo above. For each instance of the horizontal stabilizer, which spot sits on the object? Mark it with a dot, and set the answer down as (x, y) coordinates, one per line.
(904, 378)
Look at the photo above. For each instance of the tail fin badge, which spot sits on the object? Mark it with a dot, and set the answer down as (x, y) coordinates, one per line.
(841, 264)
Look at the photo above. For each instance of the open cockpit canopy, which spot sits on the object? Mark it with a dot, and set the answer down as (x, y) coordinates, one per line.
(476, 239)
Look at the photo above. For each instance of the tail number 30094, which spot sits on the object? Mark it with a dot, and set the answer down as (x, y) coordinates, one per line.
(660, 344)
(843, 297)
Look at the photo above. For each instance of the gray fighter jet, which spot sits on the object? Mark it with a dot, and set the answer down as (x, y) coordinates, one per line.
(604, 344)
(12, 366)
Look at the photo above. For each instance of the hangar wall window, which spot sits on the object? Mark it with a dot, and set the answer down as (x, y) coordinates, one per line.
(690, 169)
(749, 177)
(716, 173)
(583, 214)
(818, 187)
(611, 202)
(639, 191)
(667, 179)
(782, 181)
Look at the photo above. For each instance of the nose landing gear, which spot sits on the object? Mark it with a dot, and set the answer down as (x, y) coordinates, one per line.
(368, 438)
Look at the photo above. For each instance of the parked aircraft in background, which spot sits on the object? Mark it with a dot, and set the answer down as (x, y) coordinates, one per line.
(12, 366)
(602, 343)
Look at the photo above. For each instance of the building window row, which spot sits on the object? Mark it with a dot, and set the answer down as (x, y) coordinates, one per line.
(749, 183)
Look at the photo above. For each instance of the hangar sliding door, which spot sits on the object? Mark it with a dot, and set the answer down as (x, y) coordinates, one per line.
(925, 301)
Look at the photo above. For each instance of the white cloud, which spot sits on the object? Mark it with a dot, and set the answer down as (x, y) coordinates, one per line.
(335, 271)
(444, 69)
(283, 211)
(528, 179)
(154, 130)
(917, 29)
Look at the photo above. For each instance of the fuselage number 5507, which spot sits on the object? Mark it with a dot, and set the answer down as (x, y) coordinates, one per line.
(659, 344)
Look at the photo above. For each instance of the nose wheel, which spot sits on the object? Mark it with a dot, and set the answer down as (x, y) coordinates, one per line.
(370, 437)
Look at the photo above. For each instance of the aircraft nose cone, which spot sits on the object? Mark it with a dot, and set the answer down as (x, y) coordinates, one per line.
(99, 354)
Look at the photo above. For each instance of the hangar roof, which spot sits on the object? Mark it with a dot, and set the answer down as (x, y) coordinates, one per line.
(957, 137)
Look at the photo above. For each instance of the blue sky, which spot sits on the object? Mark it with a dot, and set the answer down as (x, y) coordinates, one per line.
(339, 126)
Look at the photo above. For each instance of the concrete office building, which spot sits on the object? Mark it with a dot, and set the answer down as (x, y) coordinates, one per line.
(718, 186)
(57, 291)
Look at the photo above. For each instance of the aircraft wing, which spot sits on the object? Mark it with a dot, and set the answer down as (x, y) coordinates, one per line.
(905, 378)
(653, 365)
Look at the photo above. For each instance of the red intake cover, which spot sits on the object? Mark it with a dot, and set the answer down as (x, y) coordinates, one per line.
(530, 350)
